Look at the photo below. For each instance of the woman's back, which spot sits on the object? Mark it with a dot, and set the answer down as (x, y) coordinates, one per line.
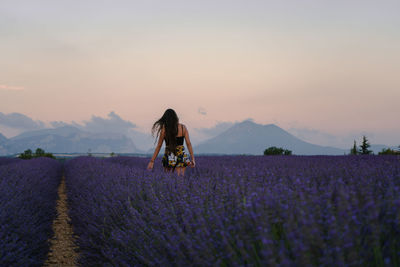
(180, 136)
(181, 130)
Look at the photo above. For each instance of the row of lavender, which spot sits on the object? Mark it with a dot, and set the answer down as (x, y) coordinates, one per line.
(28, 193)
(240, 210)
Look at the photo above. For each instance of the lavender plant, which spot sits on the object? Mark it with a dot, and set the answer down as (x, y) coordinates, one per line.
(7, 160)
(238, 211)
(28, 192)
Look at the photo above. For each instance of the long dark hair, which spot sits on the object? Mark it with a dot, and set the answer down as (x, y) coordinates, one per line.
(168, 121)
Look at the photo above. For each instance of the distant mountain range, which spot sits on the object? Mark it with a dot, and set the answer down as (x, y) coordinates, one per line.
(245, 137)
(68, 139)
(2, 138)
(248, 137)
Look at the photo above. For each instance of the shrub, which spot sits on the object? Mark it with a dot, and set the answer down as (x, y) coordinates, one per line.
(277, 151)
(388, 151)
(38, 153)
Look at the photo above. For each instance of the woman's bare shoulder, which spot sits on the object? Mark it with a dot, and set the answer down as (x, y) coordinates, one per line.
(182, 128)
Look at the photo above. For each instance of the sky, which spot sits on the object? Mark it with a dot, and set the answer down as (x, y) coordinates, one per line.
(320, 69)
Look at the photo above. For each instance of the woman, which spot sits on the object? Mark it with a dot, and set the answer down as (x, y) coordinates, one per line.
(169, 129)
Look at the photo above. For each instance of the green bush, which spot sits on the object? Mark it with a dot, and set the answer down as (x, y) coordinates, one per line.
(38, 153)
(389, 151)
(26, 155)
(277, 151)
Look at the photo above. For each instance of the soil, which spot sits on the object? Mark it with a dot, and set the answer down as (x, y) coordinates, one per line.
(63, 251)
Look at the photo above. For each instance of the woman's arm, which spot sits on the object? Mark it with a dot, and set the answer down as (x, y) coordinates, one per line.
(189, 146)
(157, 150)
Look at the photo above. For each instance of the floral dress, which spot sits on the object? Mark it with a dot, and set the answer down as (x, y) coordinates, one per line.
(178, 158)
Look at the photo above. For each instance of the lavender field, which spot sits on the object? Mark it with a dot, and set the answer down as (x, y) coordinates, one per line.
(237, 211)
(28, 193)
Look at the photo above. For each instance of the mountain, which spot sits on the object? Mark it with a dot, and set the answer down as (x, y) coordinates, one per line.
(248, 137)
(3, 139)
(69, 139)
(63, 131)
(245, 137)
(143, 141)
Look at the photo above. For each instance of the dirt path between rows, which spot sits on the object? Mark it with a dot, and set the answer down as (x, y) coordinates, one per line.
(63, 251)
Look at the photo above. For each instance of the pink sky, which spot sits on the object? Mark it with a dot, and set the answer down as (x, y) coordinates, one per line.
(303, 64)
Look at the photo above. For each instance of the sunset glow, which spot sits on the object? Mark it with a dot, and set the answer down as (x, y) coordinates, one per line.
(332, 66)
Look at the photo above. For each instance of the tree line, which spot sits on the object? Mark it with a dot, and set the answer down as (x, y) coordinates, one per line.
(28, 154)
(363, 149)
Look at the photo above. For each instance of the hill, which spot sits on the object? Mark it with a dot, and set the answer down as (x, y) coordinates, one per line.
(3, 139)
(69, 139)
(248, 137)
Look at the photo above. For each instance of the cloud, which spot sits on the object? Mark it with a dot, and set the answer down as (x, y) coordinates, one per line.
(20, 121)
(202, 111)
(57, 124)
(113, 123)
(6, 87)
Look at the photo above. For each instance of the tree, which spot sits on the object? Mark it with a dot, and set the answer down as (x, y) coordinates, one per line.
(389, 151)
(277, 151)
(354, 151)
(287, 152)
(49, 155)
(38, 153)
(26, 155)
(364, 147)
